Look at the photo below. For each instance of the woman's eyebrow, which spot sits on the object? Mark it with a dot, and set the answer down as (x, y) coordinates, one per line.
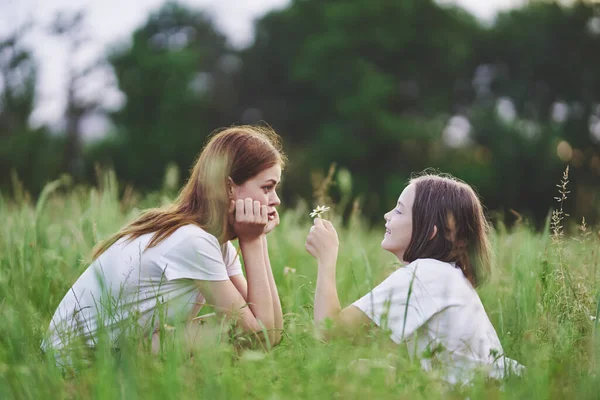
(273, 181)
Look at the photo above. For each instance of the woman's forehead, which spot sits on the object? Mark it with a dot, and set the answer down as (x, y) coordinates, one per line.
(271, 173)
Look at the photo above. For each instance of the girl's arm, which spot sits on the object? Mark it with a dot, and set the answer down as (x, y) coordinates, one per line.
(322, 243)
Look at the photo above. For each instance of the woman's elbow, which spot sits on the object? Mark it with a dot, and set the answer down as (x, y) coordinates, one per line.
(257, 336)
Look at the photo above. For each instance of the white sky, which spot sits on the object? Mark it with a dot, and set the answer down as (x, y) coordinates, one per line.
(111, 21)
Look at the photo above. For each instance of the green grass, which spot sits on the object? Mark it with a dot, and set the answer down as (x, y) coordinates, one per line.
(541, 300)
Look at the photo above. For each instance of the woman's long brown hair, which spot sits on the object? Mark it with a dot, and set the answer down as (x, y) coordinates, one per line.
(239, 152)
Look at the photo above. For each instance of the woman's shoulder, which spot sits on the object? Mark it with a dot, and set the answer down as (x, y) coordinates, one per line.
(192, 231)
(188, 236)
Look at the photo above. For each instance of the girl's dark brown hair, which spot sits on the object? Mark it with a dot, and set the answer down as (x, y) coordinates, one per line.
(239, 153)
(462, 229)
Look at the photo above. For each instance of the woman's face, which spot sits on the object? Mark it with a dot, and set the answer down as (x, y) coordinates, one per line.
(261, 187)
(398, 226)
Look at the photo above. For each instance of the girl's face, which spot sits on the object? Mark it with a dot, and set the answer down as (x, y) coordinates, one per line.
(262, 187)
(398, 226)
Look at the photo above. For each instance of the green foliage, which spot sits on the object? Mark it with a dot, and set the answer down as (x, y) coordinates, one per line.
(372, 86)
(172, 77)
(34, 154)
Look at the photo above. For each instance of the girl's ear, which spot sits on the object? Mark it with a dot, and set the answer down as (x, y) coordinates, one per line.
(434, 232)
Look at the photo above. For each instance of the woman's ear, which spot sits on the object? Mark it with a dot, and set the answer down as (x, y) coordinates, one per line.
(434, 232)
(230, 187)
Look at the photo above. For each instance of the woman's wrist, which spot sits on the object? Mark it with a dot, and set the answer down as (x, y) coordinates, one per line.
(252, 240)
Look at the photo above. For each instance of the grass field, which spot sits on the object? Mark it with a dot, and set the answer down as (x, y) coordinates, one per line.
(542, 300)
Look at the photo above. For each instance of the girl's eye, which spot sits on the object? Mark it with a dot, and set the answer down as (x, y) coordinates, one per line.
(267, 189)
(397, 211)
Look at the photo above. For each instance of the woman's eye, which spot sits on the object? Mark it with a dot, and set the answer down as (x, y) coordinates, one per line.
(268, 188)
(397, 211)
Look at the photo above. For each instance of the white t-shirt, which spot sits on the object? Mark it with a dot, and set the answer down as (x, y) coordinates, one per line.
(430, 305)
(151, 285)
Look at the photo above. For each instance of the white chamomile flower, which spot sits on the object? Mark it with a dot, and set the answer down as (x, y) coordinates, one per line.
(318, 211)
(593, 317)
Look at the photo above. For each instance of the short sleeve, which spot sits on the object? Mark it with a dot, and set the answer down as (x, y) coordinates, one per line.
(196, 257)
(400, 303)
(232, 260)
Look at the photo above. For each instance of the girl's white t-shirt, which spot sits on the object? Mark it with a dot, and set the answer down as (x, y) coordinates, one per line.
(430, 305)
(150, 285)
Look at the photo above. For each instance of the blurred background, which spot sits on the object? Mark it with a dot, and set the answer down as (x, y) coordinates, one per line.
(503, 94)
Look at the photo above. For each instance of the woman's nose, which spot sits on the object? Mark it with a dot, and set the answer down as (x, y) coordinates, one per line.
(275, 201)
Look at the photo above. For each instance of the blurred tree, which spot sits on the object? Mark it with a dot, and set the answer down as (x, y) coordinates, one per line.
(70, 27)
(32, 154)
(361, 84)
(543, 67)
(17, 83)
(178, 78)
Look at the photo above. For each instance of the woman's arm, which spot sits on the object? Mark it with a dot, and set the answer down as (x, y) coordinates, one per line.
(251, 236)
(241, 284)
(253, 314)
(277, 312)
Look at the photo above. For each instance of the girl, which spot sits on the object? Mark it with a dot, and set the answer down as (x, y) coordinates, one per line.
(439, 229)
(162, 267)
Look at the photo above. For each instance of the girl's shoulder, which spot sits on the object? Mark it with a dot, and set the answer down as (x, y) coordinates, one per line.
(430, 269)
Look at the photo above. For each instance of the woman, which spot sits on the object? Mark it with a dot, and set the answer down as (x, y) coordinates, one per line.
(439, 229)
(163, 267)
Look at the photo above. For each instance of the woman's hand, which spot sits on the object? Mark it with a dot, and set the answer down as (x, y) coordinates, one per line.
(250, 218)
(322, 242)
(272, 223)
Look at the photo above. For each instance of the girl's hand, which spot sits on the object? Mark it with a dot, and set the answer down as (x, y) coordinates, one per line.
(250, 218)
(272, 223)
(322, 242)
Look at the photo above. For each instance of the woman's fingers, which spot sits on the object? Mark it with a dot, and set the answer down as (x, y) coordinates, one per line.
(256, 217)
(264, 217)
(250, 211)
(248, 208)
(239, 210)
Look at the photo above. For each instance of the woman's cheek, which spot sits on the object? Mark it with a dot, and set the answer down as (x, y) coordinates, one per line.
(263, 198)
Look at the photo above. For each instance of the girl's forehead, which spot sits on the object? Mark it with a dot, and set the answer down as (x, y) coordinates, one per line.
(407, 196)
